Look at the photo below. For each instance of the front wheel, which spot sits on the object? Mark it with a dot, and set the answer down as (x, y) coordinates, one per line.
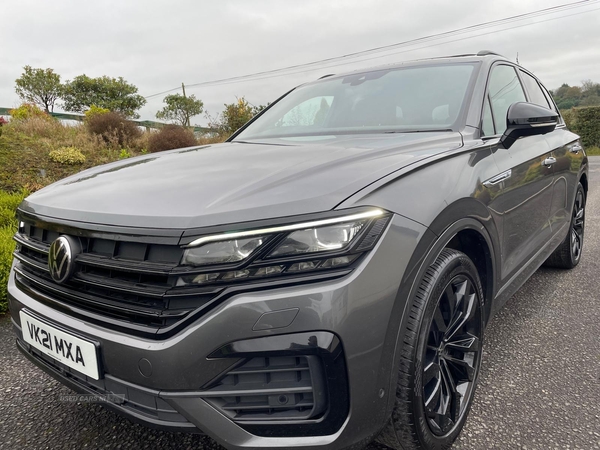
(441, 356)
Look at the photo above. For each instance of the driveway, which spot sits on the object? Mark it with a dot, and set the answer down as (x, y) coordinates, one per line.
(539, 385)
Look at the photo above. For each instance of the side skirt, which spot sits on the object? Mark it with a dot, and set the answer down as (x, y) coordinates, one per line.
(519, 278)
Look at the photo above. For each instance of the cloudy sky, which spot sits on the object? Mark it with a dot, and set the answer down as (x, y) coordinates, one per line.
(156, 45)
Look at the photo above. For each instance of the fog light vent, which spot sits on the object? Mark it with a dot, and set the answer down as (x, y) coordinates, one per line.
(271, 388)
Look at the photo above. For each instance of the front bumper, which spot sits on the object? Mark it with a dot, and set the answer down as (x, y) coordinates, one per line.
(362, 310)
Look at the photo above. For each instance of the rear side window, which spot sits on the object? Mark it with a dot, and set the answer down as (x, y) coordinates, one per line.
(504, 89)
(549, 99)
(536, 95)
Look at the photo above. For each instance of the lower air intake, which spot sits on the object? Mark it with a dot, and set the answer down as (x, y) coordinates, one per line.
(271, 388)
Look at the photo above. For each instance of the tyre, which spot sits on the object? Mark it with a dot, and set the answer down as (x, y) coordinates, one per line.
(568, 254)
(440, 359)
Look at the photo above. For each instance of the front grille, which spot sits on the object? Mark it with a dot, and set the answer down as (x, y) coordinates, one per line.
(271, 388)
(114, 281)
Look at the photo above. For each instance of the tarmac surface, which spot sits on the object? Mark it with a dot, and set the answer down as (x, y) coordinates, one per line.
(539, 386)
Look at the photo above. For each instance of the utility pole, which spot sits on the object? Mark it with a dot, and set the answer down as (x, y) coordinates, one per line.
(187, 120)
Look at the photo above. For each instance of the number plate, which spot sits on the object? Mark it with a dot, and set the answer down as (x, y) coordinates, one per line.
(70, 350)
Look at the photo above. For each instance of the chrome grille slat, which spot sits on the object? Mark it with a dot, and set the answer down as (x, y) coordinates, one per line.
(83, 298)
(126, 266)
(31, 244)
(131, 288)
(30, 261)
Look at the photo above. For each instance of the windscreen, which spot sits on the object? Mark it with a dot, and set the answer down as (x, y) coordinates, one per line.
(423, 98)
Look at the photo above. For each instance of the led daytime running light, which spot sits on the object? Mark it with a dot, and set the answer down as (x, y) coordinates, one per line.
(297, 226)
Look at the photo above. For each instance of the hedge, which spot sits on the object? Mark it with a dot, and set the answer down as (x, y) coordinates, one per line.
(585, 121)
(8, 228)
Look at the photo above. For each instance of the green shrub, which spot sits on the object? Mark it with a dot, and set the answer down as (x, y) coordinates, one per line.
(114, 128)
(67, 155)
(95, 111)
(170, 137)
(8, 206)
(584, 121)
(8, 227)
(124, 154)
(27, 111)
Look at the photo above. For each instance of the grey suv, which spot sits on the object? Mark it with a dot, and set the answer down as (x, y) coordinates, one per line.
(322, 278)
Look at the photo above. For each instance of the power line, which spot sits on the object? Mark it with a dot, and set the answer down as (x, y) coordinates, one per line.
(398, 51)
(413, 41)
(412, 49)
(327, 62)
(257, 76)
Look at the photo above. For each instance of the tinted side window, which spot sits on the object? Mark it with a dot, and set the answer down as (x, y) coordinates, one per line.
(504, 89)
(534, 90)
(549, 99)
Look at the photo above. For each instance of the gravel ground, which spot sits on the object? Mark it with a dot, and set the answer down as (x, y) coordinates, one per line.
(539, 386)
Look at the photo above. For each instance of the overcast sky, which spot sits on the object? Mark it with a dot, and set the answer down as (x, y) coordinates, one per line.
(156, 45)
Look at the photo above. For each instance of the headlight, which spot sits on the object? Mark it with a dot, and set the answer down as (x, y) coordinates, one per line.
(223, 252)
(304, 247)
(319, 239)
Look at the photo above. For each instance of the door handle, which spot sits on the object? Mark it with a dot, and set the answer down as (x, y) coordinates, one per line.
(549, 161)
(497, 179)
(576, 148)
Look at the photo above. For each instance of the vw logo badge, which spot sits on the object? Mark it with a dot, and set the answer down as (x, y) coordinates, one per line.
(60, 259)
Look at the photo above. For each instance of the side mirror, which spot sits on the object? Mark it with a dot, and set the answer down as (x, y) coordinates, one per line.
(527, 119)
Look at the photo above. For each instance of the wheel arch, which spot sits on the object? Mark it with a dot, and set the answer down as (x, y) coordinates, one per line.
(584, 182)
(473, 243)
(468, 226)
(465, 225)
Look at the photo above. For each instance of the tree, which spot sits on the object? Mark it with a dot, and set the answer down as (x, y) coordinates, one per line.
(588, 87)
(39, 86)
(234, 116)
(567, 97)
(180, 109)
(590, 92)
(114, 94)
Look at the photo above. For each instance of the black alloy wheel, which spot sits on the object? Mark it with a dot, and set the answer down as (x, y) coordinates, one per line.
(440, 356)
(452, 355)
(578, 225)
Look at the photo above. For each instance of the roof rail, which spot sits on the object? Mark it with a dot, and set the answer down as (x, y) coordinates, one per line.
(488, 52)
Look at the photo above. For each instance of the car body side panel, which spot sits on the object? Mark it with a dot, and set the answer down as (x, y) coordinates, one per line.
(563, 144)
(415, 194)
(461, 178)
(524, 199)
